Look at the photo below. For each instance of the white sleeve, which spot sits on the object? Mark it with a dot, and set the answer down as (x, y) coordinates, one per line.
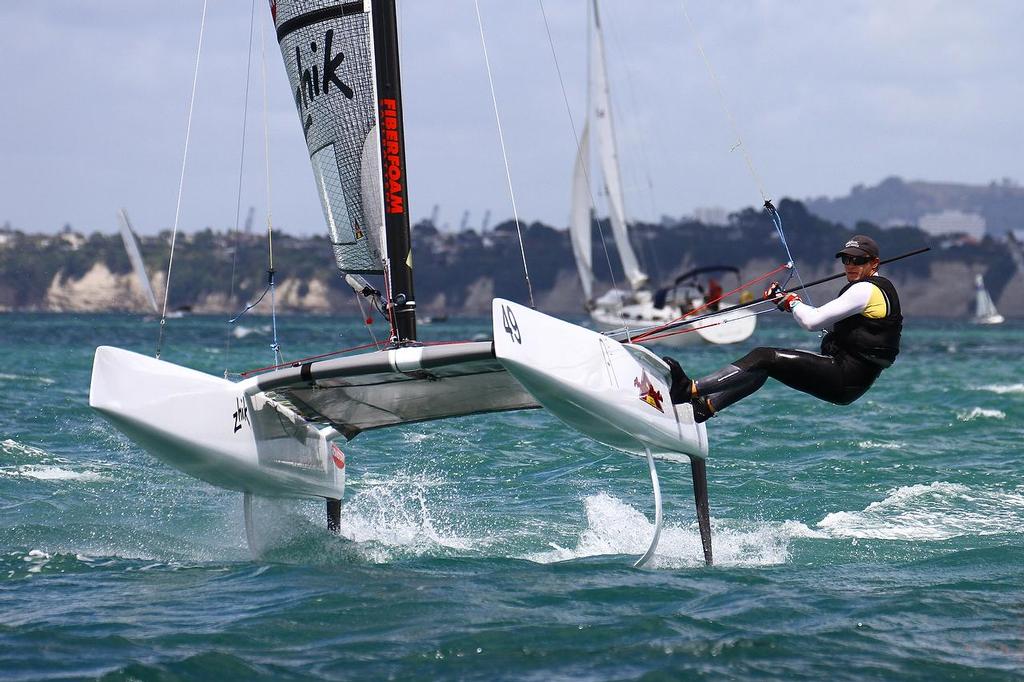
(853, 301)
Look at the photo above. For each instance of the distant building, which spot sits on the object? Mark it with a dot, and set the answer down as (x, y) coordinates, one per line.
(72, 239)
(951, 221)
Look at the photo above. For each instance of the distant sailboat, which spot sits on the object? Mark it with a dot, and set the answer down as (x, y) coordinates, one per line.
(131, 245)
(984, 309)
(638, 306)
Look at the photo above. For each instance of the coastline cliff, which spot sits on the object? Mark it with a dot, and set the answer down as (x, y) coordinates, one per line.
(458, 273)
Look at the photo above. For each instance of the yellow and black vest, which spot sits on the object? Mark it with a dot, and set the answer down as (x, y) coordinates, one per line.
(875, 339)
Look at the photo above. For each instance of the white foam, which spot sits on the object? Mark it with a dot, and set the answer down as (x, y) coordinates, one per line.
(414, 437)
(1003, 388)
(405, 514)
(397, 518)
(936, 511)
(38, 558)
(13, 447)
(44, 472)
(980, 413)
(878, 445)
(20, 377)
(614, 527)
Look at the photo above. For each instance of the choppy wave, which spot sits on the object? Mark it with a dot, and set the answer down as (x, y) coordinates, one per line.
(13, 447)
(936, 511)
(46, 472)
(615, 527)
(32, 379)
(980, 413)
(878, 445)
(387, 519)
(1002, 388)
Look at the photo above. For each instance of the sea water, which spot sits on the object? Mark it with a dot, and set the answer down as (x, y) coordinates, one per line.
(876, 541)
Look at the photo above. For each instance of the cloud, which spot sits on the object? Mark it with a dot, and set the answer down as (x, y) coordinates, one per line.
(824, 95)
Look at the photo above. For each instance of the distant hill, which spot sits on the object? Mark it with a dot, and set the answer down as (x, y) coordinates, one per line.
(898, 202)
(459, 273)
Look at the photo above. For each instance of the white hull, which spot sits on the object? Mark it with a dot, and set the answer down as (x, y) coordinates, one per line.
(722, 329)
(615, 393)
(990, 319)
(222, 432)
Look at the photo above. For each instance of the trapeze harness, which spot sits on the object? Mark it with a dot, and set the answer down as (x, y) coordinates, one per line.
(852, 356)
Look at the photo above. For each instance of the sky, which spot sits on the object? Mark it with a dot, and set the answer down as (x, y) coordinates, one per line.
(823, 96)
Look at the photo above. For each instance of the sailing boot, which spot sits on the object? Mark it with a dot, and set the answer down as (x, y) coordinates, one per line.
(702, 409)
(682, 385)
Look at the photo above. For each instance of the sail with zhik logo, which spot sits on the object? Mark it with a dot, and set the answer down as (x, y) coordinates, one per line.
(328, 55)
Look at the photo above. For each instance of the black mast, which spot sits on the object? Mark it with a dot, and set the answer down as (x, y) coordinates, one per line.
(392, 153)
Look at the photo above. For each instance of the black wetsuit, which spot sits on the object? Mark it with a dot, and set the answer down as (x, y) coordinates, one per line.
(852, 356)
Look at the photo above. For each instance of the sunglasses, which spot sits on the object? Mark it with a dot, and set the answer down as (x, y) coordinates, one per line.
(855, 260)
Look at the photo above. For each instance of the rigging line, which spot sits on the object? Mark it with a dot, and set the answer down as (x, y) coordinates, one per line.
(682, 318)
(776, 218)
(725, 105)
(777, 221)
(276, 345)
(300, 361)
(634, 101)
(181, 184)
(686, 330)
(504, 154)
(367, 321)
(576, 137)
(241, 167)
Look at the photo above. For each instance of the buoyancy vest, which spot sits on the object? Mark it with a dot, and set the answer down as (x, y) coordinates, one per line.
(876, 340)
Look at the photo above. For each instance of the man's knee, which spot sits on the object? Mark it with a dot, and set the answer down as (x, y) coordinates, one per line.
(759, 357)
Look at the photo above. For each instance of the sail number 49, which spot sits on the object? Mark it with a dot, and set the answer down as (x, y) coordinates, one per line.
(511, 327)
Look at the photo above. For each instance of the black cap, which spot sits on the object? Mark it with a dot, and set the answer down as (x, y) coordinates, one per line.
(860, 245)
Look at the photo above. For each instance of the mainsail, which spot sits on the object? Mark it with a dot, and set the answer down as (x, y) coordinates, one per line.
(580, 216)
(601, 114)
(342, 62)
(328, 54)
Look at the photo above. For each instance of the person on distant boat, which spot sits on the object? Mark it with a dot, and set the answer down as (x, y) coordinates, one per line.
(864, 324)
(713, 295)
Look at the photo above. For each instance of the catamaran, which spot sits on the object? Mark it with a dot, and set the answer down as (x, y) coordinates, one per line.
(637, 306)
(273, 433)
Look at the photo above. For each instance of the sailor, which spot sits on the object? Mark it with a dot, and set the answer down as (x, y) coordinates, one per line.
(714, 294)
(864, 324)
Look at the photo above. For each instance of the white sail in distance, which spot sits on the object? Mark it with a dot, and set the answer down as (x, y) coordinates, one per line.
(131, 245)
(601, 115)
(579, 216)
(984, 308)
(328, 54)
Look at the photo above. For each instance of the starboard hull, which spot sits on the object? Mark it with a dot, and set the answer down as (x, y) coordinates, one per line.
(615, 393)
